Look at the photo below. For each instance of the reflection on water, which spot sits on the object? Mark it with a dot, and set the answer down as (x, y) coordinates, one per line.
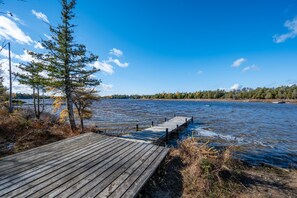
(267, 131)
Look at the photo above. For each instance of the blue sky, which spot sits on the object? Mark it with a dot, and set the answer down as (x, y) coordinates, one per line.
(152, 46)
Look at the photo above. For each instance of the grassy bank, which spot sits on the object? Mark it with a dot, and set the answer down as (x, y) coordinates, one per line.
(20, 131)
(193, 170)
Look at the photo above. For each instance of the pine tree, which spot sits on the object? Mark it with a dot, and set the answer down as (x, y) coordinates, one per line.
(31, 76)
(67, 61)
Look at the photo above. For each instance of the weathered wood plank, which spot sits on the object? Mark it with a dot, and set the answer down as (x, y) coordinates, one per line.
(117, 182)
(112, 173)
(19, 176)
(34, 175)
(74, 170)
(82, 187)
(52, 153)
(51, 145)
(136, 174)
(144, 177)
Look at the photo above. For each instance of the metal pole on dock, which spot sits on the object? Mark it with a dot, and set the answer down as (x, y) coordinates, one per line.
(152, 123)
(166, 135)
(165, 119)
(192, 119)
(177, 130)
(186, 122)
(137, 127)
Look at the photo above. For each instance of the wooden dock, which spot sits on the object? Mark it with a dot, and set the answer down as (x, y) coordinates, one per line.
(159, 132)
(89, 165)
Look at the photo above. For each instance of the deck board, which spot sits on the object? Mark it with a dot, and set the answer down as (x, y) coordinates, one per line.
(89, 165)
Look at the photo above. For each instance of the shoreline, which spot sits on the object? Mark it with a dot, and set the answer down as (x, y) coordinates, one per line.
(230, 100)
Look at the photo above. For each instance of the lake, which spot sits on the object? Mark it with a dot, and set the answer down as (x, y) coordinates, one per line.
(265, 132)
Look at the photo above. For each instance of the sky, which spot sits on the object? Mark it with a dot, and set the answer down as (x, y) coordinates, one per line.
(154, 46)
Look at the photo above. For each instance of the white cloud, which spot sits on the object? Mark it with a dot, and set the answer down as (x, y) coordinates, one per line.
(16, 86)
(38, 45)
(292, 27)
(117, 62)
(106, 87)
(47, 36)
(40, 16)
(25, 57)
(9, 30)
(238, 62)
(236, 86)
(103, 66)
(250, 68)
(116, 52)
(199, 72)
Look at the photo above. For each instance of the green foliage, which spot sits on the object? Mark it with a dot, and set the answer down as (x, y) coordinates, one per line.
(31, 76)
(281, 93)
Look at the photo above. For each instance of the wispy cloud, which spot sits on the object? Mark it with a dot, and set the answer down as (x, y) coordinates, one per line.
(38, 45)
(103, 66)
(236, 86)
(250, 68)
(116, 52)
(40, 16)
(25, 57)
(292, 27)
(17, 87)
(9, 30)
(106, 87)
(199, 72)
(238, 62)
(117, 62)
(47, 36)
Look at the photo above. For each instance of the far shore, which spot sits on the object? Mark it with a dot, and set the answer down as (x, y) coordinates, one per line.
(230, 100)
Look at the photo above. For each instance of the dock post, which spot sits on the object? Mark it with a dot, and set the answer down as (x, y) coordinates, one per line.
(166, 135)
(174, 115)
(152, 123)
(186, 122)
(177, 130)
(165, 119)
(192, 119)
(137, 127)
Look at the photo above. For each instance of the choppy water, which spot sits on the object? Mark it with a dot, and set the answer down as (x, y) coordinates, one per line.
(267, 133)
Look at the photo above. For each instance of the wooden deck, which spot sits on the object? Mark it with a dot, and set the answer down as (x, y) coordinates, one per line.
(155, 133)
(89, 165)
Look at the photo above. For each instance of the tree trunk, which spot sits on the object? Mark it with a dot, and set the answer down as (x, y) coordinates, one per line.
(34, 102)
(82, 124)
(38, 104)
(69, 104)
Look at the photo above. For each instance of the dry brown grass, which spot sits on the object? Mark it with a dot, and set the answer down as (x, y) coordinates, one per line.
(207, 172)
(194, 170)
(23, 131)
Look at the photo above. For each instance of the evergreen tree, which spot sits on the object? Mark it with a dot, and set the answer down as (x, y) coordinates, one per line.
(32, 77)
(66, 60)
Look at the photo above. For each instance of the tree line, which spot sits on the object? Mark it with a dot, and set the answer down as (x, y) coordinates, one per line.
(280, 93)
(63, 70)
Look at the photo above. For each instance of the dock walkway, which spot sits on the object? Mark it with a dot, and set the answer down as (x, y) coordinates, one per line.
(90, 165)
(157, 133)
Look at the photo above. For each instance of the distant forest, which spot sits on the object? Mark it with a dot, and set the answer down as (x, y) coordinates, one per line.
(281, 93)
